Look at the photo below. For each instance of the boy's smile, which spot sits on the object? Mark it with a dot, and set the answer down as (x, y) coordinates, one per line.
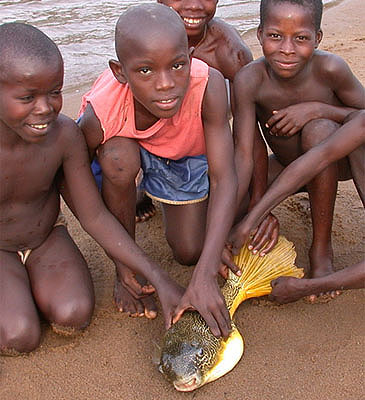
(31, 99)
(195, 13)
(288, 39)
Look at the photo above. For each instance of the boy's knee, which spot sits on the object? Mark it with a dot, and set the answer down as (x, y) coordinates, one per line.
(75, 313)
(21, 336)
(314, 132)
(187, 254)
(118, 162)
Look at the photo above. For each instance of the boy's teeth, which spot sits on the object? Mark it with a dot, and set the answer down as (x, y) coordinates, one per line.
(39, 126)
(166, 101)
(192, 20)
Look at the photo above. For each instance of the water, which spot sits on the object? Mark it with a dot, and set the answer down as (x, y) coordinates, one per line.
(84, 30)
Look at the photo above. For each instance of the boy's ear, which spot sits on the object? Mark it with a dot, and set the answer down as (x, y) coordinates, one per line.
(259, 34)
(319, 36)
(117, 70)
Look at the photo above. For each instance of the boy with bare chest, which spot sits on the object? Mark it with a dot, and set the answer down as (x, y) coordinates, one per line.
(300, 95)
(41, 268)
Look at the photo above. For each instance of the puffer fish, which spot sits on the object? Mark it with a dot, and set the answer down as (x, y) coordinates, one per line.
(191, 356)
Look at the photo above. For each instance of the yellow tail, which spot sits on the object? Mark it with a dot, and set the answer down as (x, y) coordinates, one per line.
(258, 272)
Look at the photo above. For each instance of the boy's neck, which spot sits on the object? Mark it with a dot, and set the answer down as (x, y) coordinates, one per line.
(196, 41)
(142, 118)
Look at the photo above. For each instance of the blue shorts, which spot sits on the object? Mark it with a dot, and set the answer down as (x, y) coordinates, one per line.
(183, 181)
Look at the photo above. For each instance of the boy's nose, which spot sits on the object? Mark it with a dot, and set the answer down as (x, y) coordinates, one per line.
(43, 105)
(193, 4)
(164, 81)
(287, 46)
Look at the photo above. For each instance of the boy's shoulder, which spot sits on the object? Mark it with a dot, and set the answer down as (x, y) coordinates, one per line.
(328, 63)
(252, 74)
(228, 41)
(65, 131)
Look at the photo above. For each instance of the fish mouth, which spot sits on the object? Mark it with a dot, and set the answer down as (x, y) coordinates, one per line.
(187, 386)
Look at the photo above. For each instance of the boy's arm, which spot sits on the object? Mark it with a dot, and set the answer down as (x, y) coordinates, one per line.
(102, 225)
(298, 173)
(93, 135)
(244, 128)
(288, 289)
(203, 292)
(347, 88)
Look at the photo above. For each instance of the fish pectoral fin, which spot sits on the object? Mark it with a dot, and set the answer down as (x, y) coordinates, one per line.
(228, 357)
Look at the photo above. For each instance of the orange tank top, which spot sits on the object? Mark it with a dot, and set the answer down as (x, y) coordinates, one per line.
(174, 138)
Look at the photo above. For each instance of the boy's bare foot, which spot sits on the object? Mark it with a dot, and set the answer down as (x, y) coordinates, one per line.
(144, 207)
(321, 265)
(132, 306)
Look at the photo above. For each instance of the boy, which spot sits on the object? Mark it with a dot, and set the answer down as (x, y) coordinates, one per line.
(212, 41)
(348, 140)
(300, 95)
(40, 266)
(153, 109)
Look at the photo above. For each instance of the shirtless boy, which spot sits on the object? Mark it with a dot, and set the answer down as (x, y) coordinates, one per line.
(158, 110)
(40, 266)
(348, 140)
(300, 95)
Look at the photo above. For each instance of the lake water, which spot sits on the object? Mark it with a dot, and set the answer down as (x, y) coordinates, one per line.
(84, 30)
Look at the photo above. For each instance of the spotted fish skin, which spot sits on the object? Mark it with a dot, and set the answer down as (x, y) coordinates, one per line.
(189, 350)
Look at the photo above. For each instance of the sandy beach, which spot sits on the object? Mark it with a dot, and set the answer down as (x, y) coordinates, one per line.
(297, 351)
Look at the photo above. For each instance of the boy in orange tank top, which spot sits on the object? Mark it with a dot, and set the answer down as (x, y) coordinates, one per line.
(161, 83)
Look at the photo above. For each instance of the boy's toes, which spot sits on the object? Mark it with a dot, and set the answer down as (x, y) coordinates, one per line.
(145, 209)
(150, 307)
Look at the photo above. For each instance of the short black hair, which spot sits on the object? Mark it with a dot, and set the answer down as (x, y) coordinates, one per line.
(315, 5)
(143, 20)
(22, 41)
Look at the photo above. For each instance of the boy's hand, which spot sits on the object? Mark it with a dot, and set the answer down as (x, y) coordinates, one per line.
(128, 280)
(204, 296)
(266, 236)
(290, 120)
(260, 240)
(170, 294)
(227, 263)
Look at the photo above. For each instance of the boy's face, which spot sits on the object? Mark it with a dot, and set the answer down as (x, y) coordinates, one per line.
(288, 38)
(195, 13)
(31, 99)
(157, 70)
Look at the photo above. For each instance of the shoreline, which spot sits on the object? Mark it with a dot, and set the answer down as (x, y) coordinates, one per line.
(295, 351)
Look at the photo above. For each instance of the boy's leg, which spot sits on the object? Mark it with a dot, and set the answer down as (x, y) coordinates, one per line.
(185, 227)
(322, 195)
(19, 322)
(357, 164)
(61, 282)
(120, 162)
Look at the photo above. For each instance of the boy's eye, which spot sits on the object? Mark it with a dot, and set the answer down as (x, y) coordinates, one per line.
(144, 70)
(274, 35)
(56, 93)
(177, 66)
(302, 38)
(26, 98)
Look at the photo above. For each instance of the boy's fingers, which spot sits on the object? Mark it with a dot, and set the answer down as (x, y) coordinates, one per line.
(273, 119)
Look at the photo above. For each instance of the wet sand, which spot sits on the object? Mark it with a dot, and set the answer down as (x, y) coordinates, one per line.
(294, 351)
